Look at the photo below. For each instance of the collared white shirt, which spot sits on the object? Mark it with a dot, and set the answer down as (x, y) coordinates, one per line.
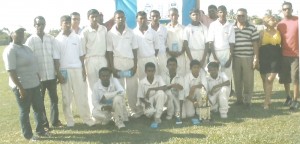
(43, 50)
(196, 36)
(221, 35)
(190, 81)
(175, 37)
(99, 91)
(211, 82)
(144, 85)
(176, 80)
(147, 42)
(94, 41)
(69, 51)
(162, 38)
(121, 44)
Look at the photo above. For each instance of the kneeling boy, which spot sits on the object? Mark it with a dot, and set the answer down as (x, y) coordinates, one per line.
(108, 100)
(217, 86)
(151, 94)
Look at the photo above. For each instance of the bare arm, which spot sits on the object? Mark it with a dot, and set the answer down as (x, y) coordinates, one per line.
(14, 77)
(187, 50)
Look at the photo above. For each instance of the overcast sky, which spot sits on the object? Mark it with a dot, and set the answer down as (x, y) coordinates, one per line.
(22, 12)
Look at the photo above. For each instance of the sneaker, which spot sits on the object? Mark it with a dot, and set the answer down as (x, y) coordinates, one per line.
(33, 139)
(223, 115)
(120, 125)
(44, 134)
(294, 105)
(288, 101)
(239, 103)
(178, 120)
(135, 115)
(58, 125)
(168, 117)
(154, 125)
(195, 121)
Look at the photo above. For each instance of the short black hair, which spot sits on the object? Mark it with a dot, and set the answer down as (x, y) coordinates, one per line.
(194, 10)
(155, 11)
(149, 65)
(172, 59)
(287, 3)
(213, 64)
(104, 69)
(65, 18)
(119, 12)
(243, 10)
(173, 9)
(141, 13)
(222, 8)
(194, 62)
(38, 17)
(74, 13)
(92, 11)
(212, 7)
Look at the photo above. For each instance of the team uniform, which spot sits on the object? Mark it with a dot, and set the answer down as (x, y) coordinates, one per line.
(94, 45)
(113, 95)
(175, 43)
(68, 53)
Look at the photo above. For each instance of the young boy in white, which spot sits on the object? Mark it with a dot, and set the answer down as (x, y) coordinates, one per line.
(193, 84)
(175, 41)
(174, 91)
(151, 94)
(122, 50)
(147, 40)
(162, 35)
(69, 66)
(195, 39)
(217, 87)
(108, 99)
(94, 45)
(221, 38)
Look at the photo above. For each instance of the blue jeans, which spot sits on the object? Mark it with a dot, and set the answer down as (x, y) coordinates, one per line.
(50, 85)
(32, 97)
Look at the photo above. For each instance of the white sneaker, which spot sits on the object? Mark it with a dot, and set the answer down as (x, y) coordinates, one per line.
(120, 125)
(168, 117)
(223, 115)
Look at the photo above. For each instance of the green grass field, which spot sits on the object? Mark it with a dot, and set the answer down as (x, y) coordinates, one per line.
(275, 126)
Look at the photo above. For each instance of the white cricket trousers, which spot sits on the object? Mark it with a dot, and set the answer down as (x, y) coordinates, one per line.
(119, 113)
(75, 87)
(220, 100)
(157, 101)
(141, 65)
(162, 64)
(130, 84)
(173, 104)
(188, 108)
(92, 66)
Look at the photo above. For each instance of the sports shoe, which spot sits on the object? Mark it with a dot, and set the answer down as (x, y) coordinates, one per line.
(223, 115)
(44, 134)
(168, 117)
(33, 139)
(120, 125)
(154, 125)
(178, 120)
(288, 101)
(294, 105)
(195, 121)
(58, 125)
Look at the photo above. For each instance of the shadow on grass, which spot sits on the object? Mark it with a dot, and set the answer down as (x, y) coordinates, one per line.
(122, 136)
(238, 113)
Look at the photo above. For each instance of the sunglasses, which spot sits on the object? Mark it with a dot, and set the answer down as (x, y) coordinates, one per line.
(241, 15)
(285, 9)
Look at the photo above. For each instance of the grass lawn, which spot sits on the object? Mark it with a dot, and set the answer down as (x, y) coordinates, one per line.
(277, 125)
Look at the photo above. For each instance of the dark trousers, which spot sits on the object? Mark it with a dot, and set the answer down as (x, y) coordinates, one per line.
(50, 85)
(32, 97)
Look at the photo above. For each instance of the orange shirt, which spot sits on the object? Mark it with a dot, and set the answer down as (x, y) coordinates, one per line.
(289, 31)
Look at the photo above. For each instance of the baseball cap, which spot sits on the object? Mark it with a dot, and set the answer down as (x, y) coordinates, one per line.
(16, 28)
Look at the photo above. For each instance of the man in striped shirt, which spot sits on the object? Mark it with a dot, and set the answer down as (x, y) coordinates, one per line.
(245, 58)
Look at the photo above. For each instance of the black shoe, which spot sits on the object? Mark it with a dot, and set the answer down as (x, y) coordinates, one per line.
(58, 125)
(288, 101)
(238, 103)
(44, 134)
(294, 105)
